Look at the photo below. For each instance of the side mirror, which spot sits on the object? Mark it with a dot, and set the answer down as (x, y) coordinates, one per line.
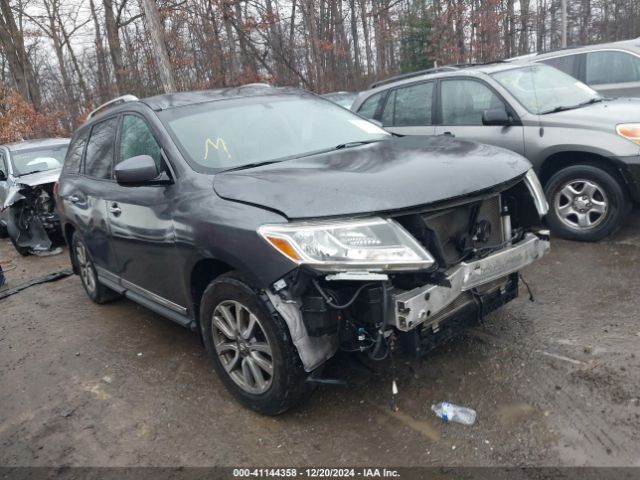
(496, 116)
(138, 169)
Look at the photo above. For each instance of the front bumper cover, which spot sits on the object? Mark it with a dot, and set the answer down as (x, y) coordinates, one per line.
(414, 307)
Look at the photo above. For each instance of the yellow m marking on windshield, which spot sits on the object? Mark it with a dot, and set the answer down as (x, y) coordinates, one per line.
(218, 144)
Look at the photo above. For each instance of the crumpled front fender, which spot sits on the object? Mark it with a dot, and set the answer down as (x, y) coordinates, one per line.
(14, 195)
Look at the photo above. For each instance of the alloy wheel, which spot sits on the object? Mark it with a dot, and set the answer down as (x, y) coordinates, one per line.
(581, 204)
(242, 346)
(87, 273)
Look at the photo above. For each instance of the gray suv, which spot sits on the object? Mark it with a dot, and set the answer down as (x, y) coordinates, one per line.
(612, 69)
(316, 232)
(585, 147)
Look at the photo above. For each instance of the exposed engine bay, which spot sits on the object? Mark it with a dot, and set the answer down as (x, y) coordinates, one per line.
(30, 218)
(478, 244)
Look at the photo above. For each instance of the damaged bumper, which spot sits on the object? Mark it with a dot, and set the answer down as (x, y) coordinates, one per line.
(421, 312)
(414, 307)
(29, 216)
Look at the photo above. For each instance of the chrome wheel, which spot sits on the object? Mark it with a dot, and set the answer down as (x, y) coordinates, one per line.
(87, 273)
(242, 346)
(581, 204)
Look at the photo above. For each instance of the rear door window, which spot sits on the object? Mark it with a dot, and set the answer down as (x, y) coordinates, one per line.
(409, 106)
(612, 67)
(464, 101)
(100, 149)
(370, 106)
(566, 64)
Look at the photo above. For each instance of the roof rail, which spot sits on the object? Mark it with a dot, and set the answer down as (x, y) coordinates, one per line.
(561, 49)
(447, 68)
(255, 84)
(478, 64)
(111, 103)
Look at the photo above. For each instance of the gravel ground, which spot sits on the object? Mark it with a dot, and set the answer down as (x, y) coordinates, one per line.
(555, 382)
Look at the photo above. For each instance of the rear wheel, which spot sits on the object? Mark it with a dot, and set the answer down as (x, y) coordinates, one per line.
(87, 271)
(586, 203)
(251, 349)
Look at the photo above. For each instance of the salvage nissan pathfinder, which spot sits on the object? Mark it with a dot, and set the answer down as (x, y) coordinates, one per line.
(284, 228)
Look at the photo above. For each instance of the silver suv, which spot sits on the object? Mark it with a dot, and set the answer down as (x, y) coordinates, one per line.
(612, 69)
(585, 147)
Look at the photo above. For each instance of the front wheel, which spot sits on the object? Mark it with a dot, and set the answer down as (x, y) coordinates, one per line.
(586, 203)
(24, 251)
(250, 348)
(87, 270)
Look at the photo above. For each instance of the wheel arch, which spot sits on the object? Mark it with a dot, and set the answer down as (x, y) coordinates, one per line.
(68, 232)
(203, 272)
(559, 160)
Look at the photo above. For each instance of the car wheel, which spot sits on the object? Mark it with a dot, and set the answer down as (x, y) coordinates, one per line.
(3, 231)
(86, 269)
(24, 251)
(250, 348)
(586, 203)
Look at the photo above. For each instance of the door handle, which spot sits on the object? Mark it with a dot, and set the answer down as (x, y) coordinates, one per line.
(114, 209)
(74, 198)
(449, 134)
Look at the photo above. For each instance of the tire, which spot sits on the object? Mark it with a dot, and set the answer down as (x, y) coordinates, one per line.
(586, 203)
(82, 259)
(3, 231)
(24, 251)
(229, 298)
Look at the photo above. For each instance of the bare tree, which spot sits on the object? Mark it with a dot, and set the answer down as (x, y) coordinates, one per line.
(159, 46)
(18, 60)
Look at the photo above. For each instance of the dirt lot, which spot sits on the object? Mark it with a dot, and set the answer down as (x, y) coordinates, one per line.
(555, 382)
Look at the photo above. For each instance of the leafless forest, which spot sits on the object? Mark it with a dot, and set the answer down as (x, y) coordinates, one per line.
(58, 58)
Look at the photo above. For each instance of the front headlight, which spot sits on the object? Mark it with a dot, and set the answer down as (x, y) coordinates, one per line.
(630, 131)
(373, 245)
(536, 191)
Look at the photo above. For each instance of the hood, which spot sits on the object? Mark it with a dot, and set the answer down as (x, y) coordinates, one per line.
(602, 116)
(39, 178)
(394, 174)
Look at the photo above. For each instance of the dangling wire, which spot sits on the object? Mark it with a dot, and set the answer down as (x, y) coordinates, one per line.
(531, 299)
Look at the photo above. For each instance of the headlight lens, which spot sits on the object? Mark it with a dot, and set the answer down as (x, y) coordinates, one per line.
(374, 245)
(630, 131)
(535, 188)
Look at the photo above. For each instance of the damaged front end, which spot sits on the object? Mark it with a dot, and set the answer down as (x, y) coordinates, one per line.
(30, 217)
(411, 279)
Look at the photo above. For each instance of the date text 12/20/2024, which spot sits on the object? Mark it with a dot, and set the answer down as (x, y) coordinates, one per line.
(241, 473)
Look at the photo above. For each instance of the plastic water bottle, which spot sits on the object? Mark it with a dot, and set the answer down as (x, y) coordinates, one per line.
(454, 413)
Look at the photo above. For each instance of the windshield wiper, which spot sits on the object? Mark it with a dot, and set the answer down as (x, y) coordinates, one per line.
(354, 144)
(250, 165)
(562, 108)
(592, 101)
(309, 154)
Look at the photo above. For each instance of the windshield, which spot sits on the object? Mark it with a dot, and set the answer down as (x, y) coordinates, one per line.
(232, 133)
(34, 160)
(542, 89)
